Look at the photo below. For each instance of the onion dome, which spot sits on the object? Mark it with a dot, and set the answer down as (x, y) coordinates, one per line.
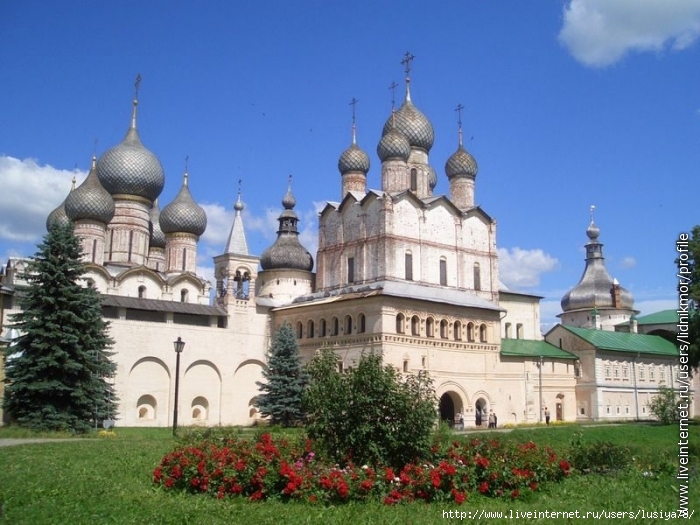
(432, 177)
(287, 252)
(393, 145)
(413, 124)
(90, 201)
(156, 237)
(353, 159)
(58, 216)
(183, 215)
(461, 164)
(130, 169)
(596, 289)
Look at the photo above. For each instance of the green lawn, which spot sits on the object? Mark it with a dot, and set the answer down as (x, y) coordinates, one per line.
(108, 480)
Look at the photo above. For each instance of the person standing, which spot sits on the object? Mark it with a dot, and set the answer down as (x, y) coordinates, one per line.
(492, 420)
(547, 415)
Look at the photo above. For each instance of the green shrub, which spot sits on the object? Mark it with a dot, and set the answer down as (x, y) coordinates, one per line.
(370, 414)
(664, 406)
(599, 456)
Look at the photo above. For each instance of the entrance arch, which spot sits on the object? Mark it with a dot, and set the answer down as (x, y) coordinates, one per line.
(450, 406)
(481, 412)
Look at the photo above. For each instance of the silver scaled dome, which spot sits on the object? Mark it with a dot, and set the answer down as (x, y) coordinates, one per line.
(90, 201)
(393, 145)
(287, 252)
(183, 215)
(58, 216)
(156, 237)
(130, 169)
(432, 177)
(353, 159)
(596, 287)
(461, 164)
(413, 124)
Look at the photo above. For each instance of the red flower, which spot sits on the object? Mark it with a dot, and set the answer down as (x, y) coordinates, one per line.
(255, 496)
(169, 482)
(366, 485)
(533, 486)
(157, 475)
(482, 462)
(515, 494)
(564, 465)
(484, 487)
(459, 497)
(389, 474)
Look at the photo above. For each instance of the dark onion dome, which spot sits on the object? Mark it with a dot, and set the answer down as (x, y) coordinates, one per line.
(432, 177)
(90, 201)
(413, 124)
(58, 216)
(393, 145)
(183, 215)
(461, 164)
(353, 159)
(595, 289)
(156, 236)
(287, 252)
(130, 169)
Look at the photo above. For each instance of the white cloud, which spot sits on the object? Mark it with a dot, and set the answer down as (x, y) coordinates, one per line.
(655, 305)
(628, 262)
(30, 192)
(520, 268)
(599, 33)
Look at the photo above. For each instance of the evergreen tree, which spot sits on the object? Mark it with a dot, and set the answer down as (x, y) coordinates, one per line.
(56, 373)
(285, 380)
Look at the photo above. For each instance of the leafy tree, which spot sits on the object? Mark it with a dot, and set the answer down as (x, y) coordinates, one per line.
(285, 377)
(369, 414)
(664, 406)
(689, 275)
(56, 373)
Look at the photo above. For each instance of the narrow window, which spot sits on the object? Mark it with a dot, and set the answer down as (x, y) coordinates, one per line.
(415, 325)
(310, 329)
(335, 326)
(458, 330)
(482, 333)
(477, 277)
(183, 296)
(414, 179)
(361, 324)
(400, 320)
(131, 243)
(519, 331)
(348, 324)
(184, 259)
(300, 330)
(142, 292)
(405, 365)
(409, 266)
(323, 328)
(508, 330)
(443, 329)
(470, 332)
(430, 327)
(351, 269)
(94, 249)
(443, 272)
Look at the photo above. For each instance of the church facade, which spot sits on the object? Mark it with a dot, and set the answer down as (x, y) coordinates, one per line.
(399, 271)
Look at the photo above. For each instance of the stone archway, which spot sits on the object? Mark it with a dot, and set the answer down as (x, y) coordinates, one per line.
(450, 406)
(481, 412)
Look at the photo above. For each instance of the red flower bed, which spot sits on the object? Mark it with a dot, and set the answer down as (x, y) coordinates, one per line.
(268, 468)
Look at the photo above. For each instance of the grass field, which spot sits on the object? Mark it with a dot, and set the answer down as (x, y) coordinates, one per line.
(109, 480)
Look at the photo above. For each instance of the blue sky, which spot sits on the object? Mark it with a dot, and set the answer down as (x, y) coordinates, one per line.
(568, 103)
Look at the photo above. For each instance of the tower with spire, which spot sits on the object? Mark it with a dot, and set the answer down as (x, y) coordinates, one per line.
(597, 301)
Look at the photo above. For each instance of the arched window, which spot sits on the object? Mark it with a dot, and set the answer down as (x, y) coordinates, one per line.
(300, 330)
(200, 408)
(361, 324)
(519, 331)
(335, 324)
(323, 328)
(400, 323)
(183, 296)
(405, 365)
(443, 271)
(146, 407)
(310, 328)
(477, 276)
(482, 333)
(470, 332)
(429, 327)
(415, 325)
(142, 292)
(458, 330)
(508, 330)
(443, 329)
(348, 324)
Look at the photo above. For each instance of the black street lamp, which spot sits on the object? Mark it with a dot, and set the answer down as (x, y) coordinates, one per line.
(179, 347)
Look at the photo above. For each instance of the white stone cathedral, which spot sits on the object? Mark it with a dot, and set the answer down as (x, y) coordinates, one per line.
(399, 271)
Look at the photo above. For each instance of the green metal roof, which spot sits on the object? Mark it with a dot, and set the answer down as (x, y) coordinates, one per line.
(625, 342)
(529, 348)
(662, 317)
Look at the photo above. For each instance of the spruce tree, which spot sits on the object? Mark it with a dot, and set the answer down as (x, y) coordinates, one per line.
(56, 373)
(285, 380)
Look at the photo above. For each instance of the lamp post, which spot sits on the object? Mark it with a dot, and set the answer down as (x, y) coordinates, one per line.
(179, 347)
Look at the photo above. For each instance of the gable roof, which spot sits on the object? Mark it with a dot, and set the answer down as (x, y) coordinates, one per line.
(625, 342)
(531, 348)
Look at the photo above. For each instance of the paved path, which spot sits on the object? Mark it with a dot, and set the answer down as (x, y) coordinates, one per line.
(9, 442)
